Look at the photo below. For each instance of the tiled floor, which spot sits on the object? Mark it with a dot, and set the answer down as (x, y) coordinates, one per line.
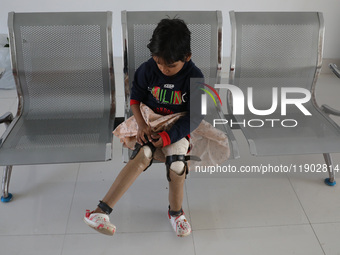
(270, 214)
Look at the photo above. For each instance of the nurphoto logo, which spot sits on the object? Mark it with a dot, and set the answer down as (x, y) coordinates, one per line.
(238, 104)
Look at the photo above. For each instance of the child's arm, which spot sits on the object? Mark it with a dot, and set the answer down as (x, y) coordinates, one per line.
(143, 128)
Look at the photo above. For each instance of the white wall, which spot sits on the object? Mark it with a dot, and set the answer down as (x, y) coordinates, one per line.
(330, 9)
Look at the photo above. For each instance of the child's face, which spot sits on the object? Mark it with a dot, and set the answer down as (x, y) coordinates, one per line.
(169, 69)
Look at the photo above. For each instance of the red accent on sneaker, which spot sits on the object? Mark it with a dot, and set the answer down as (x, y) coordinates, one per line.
(100, 226)
(87, 214)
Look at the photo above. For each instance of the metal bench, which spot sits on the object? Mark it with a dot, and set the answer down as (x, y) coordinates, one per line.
(63, 68)
(278, 55)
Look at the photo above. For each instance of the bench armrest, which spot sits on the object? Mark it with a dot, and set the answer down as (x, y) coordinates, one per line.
(335, 69)
(6, 118)
(329, 110)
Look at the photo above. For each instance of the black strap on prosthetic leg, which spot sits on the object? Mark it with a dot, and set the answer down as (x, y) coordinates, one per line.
(137, 149)
(104, 207)
(175, 213)
(174, 158)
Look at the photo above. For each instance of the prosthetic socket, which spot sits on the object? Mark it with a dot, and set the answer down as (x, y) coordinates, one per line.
(175, 157)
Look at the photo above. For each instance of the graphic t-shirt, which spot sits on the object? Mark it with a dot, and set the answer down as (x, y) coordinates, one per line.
(166, 95)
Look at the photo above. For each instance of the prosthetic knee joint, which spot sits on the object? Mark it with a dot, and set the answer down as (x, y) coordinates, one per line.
(175, 158)
(177, 164)
(142, 156)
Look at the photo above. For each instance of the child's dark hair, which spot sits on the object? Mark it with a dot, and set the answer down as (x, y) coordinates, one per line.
(171, 41)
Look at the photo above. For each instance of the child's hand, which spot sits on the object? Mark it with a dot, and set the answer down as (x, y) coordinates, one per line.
(157, 140)
(143, 134)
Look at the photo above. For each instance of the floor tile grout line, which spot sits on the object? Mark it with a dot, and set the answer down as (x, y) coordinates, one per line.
(317, 238)
(252, 227)
(150, 232)
(304, 211)
(192, 232)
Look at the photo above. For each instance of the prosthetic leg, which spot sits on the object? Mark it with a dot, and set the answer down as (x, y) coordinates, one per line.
(177, 170)
(140, 160)
(176, 215)
(176, 187)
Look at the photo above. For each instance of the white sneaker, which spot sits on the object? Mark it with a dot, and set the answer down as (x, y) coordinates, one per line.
(99, 222)
(180, 225)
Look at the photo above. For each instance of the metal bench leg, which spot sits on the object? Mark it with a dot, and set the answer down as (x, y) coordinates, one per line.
(6, 196)
(331, 180)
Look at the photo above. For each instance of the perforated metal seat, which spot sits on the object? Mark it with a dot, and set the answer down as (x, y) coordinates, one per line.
(206, 44)
(63, 67)
(282, 51)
